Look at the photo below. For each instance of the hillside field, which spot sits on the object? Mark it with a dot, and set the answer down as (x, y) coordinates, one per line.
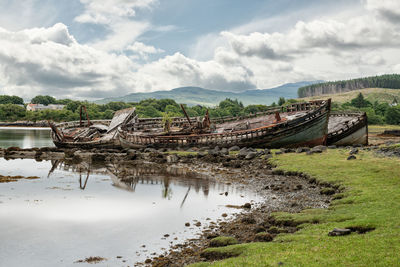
(370, 94)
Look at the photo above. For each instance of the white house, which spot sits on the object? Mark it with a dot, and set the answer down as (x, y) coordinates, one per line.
(37, 107)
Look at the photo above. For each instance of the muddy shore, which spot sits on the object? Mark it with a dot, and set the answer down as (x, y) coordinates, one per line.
(250, 168)
(290, 192)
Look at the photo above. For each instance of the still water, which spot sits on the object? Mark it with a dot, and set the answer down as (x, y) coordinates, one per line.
(74, 212)
(25, 137)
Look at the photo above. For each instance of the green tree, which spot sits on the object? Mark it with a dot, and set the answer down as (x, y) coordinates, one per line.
(6, 99)
(11, 112)
(392, 115)
(281, 101)
(360, 102)
(44, 100)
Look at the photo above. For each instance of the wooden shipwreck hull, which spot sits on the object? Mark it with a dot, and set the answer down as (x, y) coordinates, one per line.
(100, 134)
(348, 128)
(304, 124)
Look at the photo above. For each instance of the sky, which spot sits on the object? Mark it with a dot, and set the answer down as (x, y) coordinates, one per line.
(92, 49)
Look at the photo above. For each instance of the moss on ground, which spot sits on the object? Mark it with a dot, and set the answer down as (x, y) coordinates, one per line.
(223, 241)
(370, 202)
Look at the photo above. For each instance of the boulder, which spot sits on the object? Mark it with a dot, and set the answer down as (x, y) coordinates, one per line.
(173, 158)
(251, 155)
(234, 148)
(149, 150)
(354, 151)
(339, 232)
(224, 151)
(351, 157)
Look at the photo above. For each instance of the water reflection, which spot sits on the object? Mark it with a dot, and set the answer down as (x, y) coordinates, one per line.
(105, 210)
(25, 137)
(128, 177)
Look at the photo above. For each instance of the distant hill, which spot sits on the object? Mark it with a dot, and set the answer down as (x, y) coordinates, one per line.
(200, 96)
(383, 81)
(370, 94)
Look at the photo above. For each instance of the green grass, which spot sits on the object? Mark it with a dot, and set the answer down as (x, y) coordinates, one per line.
(371, 199)
(377, 129)
(371, 94)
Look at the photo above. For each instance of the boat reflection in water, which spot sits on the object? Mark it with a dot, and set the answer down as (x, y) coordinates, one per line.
(128, 177)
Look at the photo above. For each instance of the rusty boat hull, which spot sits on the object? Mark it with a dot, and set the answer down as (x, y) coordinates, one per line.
(305, 126)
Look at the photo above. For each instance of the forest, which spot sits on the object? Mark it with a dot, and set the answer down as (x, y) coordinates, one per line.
(148, 108)
(391, 81)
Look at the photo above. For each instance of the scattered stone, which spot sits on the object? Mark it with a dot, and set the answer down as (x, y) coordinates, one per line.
(224, 151)
(149, 150)
(198, 224)
(187, 224)
(234, 148)
(224, 215)
(354, 151)
(173, 158)
(147, 261)
(318, 149)
(339, 232)
(351, 157)
(247, 206)
(248, 220)
(251, 155)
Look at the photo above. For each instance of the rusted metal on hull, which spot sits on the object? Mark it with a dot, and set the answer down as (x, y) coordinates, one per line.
(311, 127)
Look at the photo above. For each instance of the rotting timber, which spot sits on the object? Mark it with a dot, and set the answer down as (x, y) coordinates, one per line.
(299, 124)
(90, 134)
(348, 128)
(304, 124)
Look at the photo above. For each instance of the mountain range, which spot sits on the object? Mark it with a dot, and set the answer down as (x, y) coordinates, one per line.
(200, 96)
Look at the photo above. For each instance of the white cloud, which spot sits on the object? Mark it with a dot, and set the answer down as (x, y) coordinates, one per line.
(118, 18)
(389, 9)
(50, 61)
(143, 50)
(178, 70)
(106, 11)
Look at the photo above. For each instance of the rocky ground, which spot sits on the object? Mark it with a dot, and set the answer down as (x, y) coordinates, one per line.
(247, 167)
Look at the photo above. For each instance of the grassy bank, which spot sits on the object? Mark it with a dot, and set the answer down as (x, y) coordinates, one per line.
(371, 199)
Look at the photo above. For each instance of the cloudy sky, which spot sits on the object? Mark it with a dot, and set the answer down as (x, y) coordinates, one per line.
(90, 49)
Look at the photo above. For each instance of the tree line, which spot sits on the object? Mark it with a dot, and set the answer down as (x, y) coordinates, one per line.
(148, 108)
(11, 110)
(383, 81)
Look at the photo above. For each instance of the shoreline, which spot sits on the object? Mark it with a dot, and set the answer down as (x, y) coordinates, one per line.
(280, 191)
(27, 124)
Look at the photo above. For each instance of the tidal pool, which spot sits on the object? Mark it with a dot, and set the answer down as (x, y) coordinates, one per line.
(25, 137)
(74, 212)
